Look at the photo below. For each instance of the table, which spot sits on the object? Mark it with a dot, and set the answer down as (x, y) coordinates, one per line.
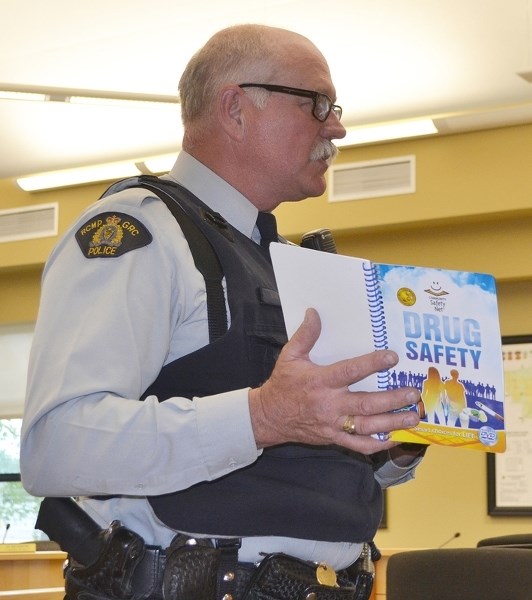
(29, 570)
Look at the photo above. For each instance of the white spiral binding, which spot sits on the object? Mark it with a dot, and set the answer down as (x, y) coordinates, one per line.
(378, 322)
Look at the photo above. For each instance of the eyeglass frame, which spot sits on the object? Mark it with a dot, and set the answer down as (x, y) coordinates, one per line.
(283, 89)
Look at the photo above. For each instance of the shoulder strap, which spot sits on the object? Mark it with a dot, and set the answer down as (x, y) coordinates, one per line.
(203, 253)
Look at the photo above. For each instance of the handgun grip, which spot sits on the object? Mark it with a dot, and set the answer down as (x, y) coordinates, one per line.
(70, 526)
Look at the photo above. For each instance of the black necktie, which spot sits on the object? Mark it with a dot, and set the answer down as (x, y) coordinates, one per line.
(267, 226)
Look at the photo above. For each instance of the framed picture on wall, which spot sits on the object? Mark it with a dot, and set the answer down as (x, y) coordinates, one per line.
(509, 480)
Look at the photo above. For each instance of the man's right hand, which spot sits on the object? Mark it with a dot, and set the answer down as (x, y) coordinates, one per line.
(303, 402)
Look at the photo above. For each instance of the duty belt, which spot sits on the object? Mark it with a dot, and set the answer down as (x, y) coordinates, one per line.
(116, 564)
(190, 569)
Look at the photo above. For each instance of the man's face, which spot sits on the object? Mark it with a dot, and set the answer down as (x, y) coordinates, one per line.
(291, 146)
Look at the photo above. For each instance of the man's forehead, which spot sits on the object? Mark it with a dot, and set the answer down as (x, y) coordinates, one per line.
(309, 73)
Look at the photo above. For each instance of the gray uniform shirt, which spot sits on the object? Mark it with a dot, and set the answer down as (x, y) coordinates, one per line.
(106, 326)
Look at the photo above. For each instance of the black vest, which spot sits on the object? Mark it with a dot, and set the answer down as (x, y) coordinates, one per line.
(310, 492)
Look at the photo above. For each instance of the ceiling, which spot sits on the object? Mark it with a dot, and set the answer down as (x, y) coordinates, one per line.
(390, 60)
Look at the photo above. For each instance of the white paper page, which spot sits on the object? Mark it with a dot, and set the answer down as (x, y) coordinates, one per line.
(334, 285)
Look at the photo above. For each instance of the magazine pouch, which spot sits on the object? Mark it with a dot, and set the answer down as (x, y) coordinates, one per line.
(200, 571)
(191, 573)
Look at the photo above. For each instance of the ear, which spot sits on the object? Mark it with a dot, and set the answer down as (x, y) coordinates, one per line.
(231, 110)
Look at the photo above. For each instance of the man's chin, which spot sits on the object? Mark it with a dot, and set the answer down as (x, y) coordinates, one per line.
(317, 187)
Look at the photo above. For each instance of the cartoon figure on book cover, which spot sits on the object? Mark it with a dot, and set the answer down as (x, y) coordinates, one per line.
(455, 397)
(433, 396)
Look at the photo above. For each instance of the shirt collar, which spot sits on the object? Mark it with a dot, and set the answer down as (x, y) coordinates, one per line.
(215, 192)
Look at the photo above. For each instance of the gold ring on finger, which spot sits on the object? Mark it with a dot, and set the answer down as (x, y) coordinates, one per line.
(349, 425)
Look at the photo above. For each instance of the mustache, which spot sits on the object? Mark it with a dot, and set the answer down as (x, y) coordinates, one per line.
(324, 150)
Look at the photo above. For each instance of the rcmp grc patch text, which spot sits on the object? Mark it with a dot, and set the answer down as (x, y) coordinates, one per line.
(111, 234)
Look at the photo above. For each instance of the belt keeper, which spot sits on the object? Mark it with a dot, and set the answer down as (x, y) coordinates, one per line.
(226, 580)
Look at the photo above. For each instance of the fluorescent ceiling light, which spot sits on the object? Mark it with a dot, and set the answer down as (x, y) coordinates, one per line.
(95, 101)
(154, 165)
(158, 164)
(78, 96)
(387, 131)
(83, 175)
(8, 95)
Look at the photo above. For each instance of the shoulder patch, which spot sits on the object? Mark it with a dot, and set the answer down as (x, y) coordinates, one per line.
(111, 234)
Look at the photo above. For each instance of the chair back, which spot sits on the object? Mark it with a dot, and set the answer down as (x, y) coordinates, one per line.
(489, 573)
(517, 540)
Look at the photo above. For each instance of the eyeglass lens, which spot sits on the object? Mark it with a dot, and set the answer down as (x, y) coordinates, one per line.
(323, 107)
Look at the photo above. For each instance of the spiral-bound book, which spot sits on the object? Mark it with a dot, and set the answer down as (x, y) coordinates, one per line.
(443, 325)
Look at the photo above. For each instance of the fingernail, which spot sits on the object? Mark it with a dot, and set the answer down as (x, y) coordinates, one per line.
(412, 397)
(410, 420)
(390, 358)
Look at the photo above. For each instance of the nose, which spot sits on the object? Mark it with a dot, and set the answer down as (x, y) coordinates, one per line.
(335, 129)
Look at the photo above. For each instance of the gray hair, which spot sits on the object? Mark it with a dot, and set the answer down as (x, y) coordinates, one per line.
(238, 54)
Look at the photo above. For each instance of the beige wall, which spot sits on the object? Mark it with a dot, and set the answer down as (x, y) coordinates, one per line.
(472, 210)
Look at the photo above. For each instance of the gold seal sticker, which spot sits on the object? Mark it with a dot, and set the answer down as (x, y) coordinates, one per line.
(406, 296)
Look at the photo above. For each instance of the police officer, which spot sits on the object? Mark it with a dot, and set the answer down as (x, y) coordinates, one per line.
(238, 434)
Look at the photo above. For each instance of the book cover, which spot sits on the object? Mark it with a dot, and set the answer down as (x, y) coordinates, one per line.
(443, 324)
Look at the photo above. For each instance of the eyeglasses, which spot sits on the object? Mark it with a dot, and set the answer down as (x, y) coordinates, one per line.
(322, 104)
